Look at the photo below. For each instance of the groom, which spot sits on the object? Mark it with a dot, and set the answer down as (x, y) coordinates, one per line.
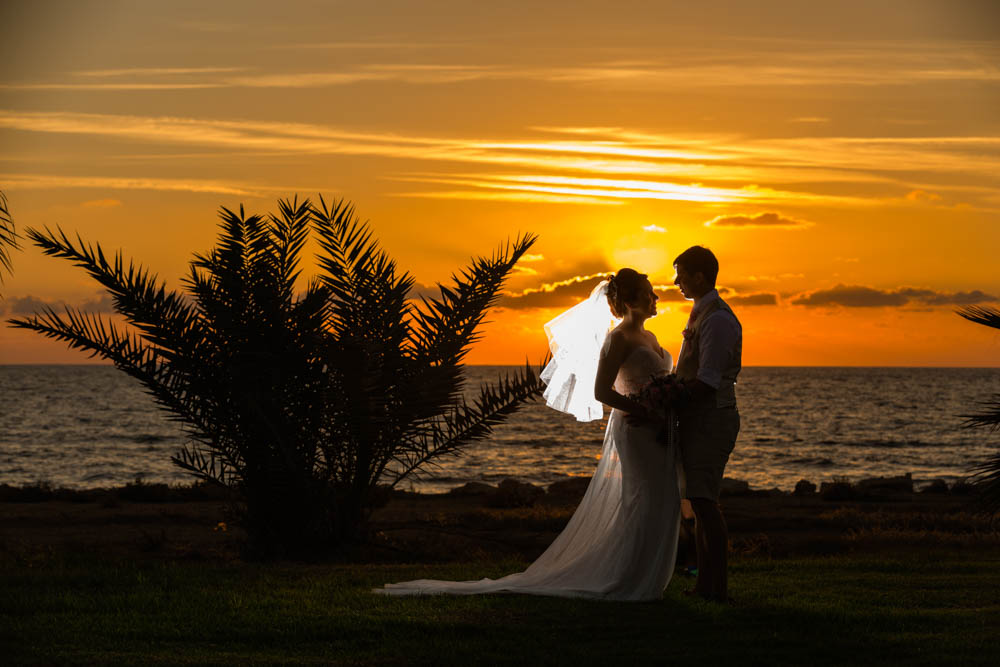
(708, 363)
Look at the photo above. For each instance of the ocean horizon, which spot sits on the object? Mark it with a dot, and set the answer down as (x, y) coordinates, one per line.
(90, 425)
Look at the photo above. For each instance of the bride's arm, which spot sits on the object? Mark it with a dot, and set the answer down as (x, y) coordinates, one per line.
(611, 359)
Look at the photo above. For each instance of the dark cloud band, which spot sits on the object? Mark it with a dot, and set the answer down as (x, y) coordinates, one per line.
(860, 296)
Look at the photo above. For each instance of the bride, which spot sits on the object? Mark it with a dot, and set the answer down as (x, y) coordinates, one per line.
(621, 542)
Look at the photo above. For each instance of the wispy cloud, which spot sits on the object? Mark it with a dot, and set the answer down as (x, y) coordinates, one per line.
(532, 197)
(770, 220)
(820, 65)
(155, 71)
(613, 164)
(597, 188)
(37, 181)
(923, 196)
(656, 229)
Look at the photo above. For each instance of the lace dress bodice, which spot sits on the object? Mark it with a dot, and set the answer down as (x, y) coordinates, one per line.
(641, 365)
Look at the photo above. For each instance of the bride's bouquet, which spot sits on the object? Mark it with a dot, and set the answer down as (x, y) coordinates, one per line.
(664, 396)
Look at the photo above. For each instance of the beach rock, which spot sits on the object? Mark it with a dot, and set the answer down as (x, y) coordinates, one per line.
(512, 493)
(837, 491)
(886, 486)
(937, 486)
(474, 489)
(734, 487)
(804, 488)
(962, 488)
(765, 493)
(570, 489)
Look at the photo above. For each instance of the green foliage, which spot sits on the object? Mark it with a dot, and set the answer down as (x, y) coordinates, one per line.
(301, 403)
(986, 474)
(8, 236)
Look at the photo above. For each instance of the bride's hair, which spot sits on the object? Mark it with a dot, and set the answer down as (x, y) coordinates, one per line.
(624, 287)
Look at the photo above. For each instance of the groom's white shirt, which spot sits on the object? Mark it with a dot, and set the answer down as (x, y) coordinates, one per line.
(719, 334)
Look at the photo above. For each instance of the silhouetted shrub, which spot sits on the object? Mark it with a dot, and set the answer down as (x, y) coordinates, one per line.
(301, 401)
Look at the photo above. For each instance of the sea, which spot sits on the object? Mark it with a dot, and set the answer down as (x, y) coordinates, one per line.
(87, 426)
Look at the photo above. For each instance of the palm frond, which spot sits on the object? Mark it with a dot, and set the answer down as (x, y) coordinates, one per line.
(986, 480)
(447, 327)
(985, 315)
(466, 423)
(8, 236)
(988, 418)
(166, 320)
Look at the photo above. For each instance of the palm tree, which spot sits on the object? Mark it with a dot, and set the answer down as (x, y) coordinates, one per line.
(8, 236)
(986, 473)
(303, 404)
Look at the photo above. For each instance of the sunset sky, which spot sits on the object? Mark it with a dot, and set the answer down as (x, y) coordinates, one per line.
(842, 159)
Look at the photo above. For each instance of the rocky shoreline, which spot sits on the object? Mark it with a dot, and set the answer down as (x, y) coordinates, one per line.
(476, 521)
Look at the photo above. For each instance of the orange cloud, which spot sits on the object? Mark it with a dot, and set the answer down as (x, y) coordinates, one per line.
(759, 220)
(922, 196)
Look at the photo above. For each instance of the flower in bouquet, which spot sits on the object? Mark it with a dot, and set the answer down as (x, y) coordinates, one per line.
(664, 393)
(663, 396)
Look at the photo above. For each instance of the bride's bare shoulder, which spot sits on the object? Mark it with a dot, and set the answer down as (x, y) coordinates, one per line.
(616, 342)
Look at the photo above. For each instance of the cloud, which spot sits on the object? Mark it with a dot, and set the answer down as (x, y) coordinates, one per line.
(758, 220)
(860, 296)
(561, 293)
(596, 166)
(668, 293)
(568, 291)
(758, 299)
(44, 181)
(655, 229)
(596, 189)
(102, 303)
(155, 71)
(922, 196)
(933, 298)
(101, 203)
(531, 258)
(421, 290)
(30, 305)
(695, 68)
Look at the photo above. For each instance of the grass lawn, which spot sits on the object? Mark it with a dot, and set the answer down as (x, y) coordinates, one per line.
(912, 608)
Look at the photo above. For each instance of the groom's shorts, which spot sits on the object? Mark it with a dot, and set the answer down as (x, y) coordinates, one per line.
(707, 437)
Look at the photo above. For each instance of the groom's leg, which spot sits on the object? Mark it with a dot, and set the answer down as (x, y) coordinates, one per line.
(713, 542)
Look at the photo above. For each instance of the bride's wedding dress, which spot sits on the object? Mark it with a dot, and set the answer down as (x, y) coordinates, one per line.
(621, 542)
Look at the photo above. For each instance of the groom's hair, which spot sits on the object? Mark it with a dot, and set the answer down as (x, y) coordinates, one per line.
(699, 258)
